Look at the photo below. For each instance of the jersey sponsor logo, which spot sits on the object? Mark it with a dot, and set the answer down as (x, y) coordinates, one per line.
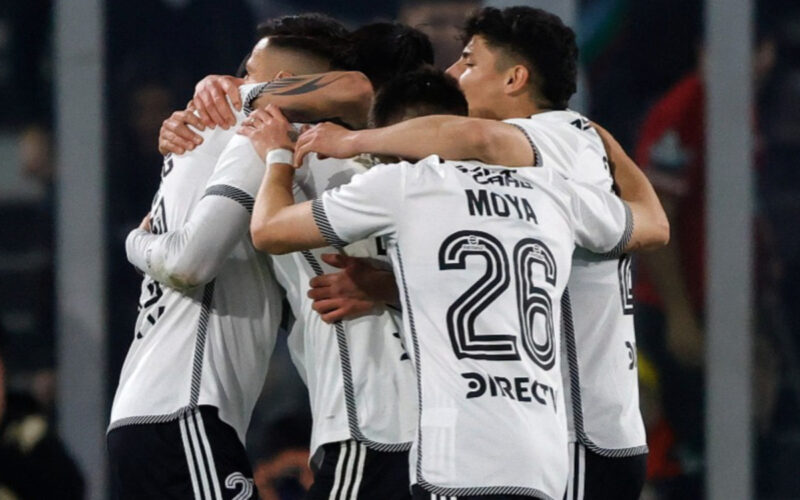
(506, 177)
(490, 204)
(521, 389)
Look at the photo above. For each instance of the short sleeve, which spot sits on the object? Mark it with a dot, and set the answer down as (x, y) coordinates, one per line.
(367, 206)
(602, 222)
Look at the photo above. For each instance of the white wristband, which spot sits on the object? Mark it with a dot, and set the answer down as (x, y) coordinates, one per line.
(280, 155)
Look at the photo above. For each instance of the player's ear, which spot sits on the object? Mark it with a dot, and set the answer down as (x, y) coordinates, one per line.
(283, 74)
(516, 79)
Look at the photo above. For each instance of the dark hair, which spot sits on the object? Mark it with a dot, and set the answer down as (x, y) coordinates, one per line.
(429, 90)
(383, 50)
(539, 37)
(315, 34)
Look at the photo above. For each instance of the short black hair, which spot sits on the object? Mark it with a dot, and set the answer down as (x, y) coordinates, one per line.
(539, 37)
(383, 50)
(429, 90)
(313, 33)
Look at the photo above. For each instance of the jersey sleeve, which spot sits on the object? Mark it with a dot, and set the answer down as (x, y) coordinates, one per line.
(602, 222)
(193, 254)
(365, 207)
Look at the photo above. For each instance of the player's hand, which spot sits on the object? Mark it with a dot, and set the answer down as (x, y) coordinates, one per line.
(175, 135)
(345, 294)
(268, 129)
(145, 224)
(210, 100)
(325, 139)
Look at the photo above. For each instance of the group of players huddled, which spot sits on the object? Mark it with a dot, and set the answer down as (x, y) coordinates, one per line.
(453, 247)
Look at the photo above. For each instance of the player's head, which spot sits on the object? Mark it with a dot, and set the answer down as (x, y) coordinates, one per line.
(426, 91)
(383, 50)
(514, 54)
(295, 45)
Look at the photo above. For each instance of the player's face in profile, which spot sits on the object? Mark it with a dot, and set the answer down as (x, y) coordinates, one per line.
(479, 77)
(265, 62)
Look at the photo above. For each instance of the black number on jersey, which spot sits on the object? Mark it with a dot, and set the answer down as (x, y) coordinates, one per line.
(625, 283)
(148, 306)
(462, 313)
(532, 301)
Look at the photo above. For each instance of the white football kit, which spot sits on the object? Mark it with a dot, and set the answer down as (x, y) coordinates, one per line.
(360, 380)
(601, 378)
(482, 255)
(209, 311)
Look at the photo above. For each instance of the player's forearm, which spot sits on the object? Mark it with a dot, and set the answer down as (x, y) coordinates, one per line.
(270, 228)
(346, 95)
(651, 226)
(450, 137)
(192, 255)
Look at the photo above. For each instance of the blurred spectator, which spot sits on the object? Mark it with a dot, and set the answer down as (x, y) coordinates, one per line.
(442, 21)
(33, 461)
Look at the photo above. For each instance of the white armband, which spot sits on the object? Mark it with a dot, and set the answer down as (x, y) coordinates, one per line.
(280, 155)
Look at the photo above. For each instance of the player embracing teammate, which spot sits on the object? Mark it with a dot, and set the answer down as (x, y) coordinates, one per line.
(501, 265)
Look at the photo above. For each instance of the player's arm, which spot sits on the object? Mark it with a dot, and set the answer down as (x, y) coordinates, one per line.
(278, 225)
(449, 136)
(650, 223)
(342, 95)
(360, 209)
(193, 254)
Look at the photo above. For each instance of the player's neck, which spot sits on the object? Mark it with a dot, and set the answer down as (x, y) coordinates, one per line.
(518, 108)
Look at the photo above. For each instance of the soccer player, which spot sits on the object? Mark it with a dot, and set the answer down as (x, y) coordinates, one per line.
(359, 378)
(482, 255)
(201, 344)
(519, 65)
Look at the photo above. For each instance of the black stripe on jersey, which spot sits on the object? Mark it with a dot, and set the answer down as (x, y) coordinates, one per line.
(537, 156)
(626, 235)
(324, 225)
(347, 380)
(200, 343)
(235, 194)
(568, 332)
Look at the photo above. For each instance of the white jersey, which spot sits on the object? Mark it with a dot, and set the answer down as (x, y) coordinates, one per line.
(360, 380)
(482, 255)
(601, 373)
(198, 345)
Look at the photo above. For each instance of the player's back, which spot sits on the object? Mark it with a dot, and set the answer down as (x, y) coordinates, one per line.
(359, 378)
(191, 345)
(482, 255)
(602, 380)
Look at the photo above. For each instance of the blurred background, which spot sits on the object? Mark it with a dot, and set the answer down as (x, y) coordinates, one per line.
(85, 85)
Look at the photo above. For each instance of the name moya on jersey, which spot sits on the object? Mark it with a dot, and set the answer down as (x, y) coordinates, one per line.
(482, 202)
(518, 389)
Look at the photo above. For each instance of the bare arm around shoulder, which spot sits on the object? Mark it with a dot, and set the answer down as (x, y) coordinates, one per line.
(449, 136)
(343, 95)
(650, 223)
